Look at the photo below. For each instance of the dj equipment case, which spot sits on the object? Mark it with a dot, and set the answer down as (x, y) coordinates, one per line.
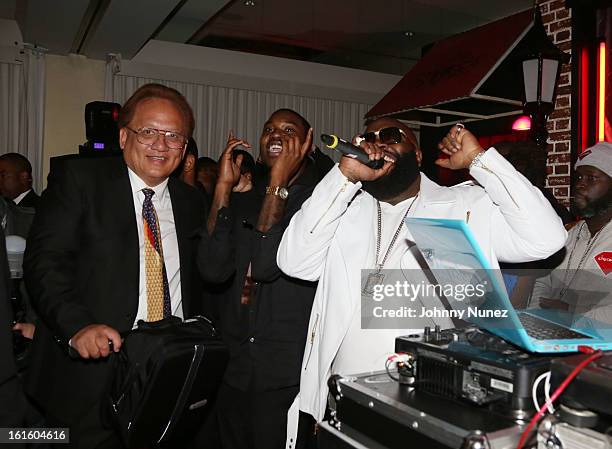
(374, 411)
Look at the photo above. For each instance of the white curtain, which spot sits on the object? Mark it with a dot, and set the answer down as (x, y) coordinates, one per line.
(219, 109)
(22, 89)
(11, 89)
(113, 66)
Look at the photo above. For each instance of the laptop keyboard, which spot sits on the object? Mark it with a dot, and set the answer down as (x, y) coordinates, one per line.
(545, 330)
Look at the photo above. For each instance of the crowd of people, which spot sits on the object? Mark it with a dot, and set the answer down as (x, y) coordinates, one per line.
(271, 249)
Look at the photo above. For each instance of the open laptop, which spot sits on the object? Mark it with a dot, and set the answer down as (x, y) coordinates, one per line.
(454, 255)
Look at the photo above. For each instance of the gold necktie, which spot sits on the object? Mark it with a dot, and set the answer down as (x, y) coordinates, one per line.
(158, 290)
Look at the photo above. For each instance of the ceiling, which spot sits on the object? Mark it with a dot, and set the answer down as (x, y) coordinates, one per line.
(385, 36)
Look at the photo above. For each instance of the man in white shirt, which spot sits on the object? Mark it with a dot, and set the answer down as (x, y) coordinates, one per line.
(113, 242)
(338, 230)
(582, 283)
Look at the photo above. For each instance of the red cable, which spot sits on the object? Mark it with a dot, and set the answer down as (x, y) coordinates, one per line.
(594, 356)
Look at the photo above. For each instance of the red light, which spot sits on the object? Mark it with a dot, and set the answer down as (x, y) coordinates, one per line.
(115, 113)
(584, 99)
(523, 123)
(601, 93)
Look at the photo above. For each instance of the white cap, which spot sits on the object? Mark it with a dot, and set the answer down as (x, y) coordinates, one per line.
(598, 156)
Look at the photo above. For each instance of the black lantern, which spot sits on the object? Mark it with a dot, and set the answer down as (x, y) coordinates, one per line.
(541, 69)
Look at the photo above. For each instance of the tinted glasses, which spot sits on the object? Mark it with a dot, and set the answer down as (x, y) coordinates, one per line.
(388, 136)
(148, 136)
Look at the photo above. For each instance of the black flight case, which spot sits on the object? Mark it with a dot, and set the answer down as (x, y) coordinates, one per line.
(374, 411)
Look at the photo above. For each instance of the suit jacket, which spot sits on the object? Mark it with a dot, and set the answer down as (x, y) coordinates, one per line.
(30, 200)
(82, 267)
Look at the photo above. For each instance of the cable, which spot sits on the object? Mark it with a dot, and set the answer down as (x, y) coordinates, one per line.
(402, 360)
(534, 391)
(387, 363)
(551, 409)
(594, 355)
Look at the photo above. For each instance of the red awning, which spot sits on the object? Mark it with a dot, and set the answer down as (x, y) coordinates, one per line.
(469, 76)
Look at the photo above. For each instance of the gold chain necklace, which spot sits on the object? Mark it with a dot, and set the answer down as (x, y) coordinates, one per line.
(377, 277)
(589, 247)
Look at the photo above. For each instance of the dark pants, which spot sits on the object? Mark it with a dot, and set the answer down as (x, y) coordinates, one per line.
(253, 420)
(12, 408)
(88, 432)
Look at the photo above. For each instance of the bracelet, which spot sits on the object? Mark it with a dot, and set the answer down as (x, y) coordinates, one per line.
(477, 162)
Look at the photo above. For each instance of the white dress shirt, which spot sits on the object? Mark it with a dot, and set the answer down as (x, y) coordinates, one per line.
(163, 207)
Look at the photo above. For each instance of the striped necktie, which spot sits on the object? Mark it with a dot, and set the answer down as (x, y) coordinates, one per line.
(158, 290)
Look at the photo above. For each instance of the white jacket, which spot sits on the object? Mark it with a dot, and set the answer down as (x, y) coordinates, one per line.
(510, 218)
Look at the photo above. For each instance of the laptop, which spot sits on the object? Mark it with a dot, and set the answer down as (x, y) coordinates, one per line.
(454, 256)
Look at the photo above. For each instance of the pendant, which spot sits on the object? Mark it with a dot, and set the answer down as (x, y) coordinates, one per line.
(373, 280)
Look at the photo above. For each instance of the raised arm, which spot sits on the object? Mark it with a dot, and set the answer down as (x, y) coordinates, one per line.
(276, 211)
(524, 224)
(216, 251)
(305, 243)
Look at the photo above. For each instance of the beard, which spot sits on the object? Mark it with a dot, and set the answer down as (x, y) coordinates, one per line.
(592, 208)
(402, 176)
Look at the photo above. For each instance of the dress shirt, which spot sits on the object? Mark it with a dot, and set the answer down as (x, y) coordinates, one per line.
(21, 196)
(163, 207)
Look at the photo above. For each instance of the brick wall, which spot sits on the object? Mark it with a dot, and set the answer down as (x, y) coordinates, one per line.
(557, 21)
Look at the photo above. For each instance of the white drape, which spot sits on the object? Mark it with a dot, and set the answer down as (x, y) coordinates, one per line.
(22, 89)
(219, 109)
(113, 65)
(11, 89)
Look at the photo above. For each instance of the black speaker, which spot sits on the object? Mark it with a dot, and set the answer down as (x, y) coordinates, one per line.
(101, 120)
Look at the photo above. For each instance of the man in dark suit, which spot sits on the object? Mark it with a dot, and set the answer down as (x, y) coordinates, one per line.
(16, 180)
(112, 243)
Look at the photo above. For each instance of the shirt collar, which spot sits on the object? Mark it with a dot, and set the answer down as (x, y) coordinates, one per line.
(21, 196)
(138, 184)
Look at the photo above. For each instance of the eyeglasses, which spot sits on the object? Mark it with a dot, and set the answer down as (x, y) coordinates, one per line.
(148, 136)
(388, 136)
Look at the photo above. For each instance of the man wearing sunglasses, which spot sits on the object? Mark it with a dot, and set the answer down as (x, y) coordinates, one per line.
(354, 221)
(112, 243)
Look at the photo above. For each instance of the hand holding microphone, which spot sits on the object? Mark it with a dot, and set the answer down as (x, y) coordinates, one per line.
(362, 163)
(350, 150)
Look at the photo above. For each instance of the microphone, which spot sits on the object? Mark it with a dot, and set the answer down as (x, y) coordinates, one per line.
(350, 150)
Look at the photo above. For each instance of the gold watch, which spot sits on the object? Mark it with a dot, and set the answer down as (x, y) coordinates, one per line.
(279, 191)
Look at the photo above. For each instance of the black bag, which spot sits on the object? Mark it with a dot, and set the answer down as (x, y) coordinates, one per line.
(166, 376)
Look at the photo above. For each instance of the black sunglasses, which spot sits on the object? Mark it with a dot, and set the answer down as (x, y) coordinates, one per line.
(388, 136)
